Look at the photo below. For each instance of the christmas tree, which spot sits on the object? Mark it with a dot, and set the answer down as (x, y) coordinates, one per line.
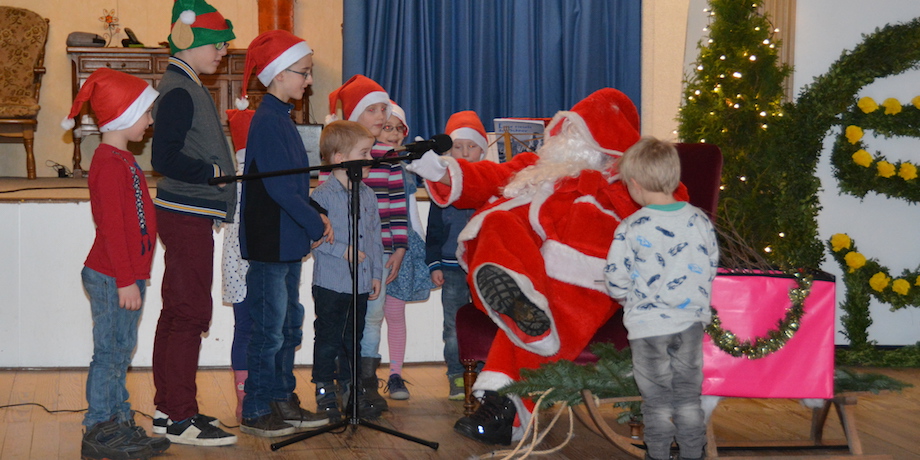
(733, 99)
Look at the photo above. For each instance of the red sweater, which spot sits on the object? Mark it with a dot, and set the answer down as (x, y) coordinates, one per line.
(121, 249)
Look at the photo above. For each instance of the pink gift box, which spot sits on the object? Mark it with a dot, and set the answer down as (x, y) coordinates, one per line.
(750, 305)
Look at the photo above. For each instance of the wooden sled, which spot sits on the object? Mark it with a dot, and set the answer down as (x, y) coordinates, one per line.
(845, 405)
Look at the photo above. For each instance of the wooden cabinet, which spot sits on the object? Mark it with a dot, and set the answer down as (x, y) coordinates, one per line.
(149, 64)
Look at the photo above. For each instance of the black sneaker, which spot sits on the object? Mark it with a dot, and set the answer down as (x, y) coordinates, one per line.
(396, 386)
(326, 401)
(139, 436)
(269, 425)
(161, 421)
(196, 431)
(291, 412)
(492, 423)
(502, 294)
(112, 441)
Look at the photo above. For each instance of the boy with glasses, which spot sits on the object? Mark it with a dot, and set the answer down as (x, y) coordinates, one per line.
(189, 148)
(279, 224)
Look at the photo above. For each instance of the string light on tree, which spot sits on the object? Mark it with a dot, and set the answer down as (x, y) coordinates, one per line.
(737, 47)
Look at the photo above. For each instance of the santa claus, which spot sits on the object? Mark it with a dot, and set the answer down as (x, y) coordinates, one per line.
(535, 250)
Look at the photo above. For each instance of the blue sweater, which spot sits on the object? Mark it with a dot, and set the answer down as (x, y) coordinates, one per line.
(278, 221)
(444, 226)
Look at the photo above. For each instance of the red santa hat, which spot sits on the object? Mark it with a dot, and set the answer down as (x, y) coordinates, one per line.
(466, 125)
(269, 54)
(398, 112)
(356, 94)
(117, 99)
(239, 121)
(606, 118)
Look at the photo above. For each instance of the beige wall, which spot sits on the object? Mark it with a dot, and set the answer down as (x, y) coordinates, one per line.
(319, 22)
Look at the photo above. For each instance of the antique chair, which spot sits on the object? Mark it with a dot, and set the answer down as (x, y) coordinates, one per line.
(701, 170)
(23, 34)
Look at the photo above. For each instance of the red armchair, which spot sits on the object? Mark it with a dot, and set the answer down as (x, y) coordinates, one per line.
(701, 170)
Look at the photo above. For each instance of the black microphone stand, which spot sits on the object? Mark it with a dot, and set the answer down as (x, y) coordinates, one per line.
(354, 170)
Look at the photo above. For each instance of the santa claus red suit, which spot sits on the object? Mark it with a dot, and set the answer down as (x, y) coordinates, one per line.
(535, 250)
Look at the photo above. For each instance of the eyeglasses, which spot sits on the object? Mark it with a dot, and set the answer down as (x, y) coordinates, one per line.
(401, 128)
(221, 45)
(305, 75)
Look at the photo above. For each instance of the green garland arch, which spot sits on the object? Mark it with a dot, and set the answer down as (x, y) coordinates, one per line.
(829, 102)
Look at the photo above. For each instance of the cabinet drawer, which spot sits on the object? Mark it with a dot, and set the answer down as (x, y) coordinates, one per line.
(125, 64)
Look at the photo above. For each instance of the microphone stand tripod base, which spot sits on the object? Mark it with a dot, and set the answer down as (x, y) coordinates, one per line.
(354, 419)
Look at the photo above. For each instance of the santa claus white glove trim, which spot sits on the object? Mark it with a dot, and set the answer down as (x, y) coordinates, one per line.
(430, 166)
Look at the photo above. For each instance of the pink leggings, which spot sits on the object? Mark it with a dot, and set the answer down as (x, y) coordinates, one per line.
(394, 310)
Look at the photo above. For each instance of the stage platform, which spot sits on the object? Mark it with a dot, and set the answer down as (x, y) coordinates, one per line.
(50, 189)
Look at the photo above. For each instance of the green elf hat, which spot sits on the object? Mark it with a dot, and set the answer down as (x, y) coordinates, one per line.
(196, 23)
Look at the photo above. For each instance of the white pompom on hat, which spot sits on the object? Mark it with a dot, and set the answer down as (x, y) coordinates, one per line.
(467, 125)
(605, 118)
(269, 54)
(356, 94)
(118, 99)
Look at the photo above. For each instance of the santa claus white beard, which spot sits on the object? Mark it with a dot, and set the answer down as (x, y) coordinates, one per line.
(561, 156)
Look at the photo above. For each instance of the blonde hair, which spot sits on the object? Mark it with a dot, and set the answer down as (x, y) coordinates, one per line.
(340, 137)
(653, 164)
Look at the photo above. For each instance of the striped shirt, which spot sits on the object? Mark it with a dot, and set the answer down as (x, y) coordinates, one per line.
(386, 180)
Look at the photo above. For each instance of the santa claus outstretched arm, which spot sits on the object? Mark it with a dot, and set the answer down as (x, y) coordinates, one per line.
(458, 182)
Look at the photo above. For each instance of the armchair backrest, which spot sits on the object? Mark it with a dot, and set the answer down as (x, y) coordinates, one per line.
(23, 34)
(701, 173)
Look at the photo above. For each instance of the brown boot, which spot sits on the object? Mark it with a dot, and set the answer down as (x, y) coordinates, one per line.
(368, 377)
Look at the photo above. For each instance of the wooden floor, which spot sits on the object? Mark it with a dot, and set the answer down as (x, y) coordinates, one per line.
(887, 423)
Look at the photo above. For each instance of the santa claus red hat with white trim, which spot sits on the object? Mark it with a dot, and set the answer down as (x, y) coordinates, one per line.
(270, 54)
(117, 99)
(356, 94)
(467, 125)
(606, 118)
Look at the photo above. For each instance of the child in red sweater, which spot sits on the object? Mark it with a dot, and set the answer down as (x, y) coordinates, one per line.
(116, 271)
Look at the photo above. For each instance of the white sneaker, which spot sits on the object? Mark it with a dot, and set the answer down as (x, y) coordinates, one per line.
(162, 421)
(197, 431)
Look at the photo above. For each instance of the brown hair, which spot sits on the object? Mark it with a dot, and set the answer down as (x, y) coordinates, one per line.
(653, 164)
(340, 137)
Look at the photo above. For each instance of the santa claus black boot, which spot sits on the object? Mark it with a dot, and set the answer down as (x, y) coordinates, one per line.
(502, 294)
(492, 423)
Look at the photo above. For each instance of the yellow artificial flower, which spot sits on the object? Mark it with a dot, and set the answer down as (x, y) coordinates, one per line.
(840, 241)
(862, 158)
(892, 106)
(916, 101)
(908, 171)
(900, 286)
(854, 134)
(868, 105)
(917, 283)
(879, 281)
(854, 260)
(885, 169)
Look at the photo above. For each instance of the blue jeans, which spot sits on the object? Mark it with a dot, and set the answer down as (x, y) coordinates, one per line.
(669, 373)
(114, 339)
(373, 320)
(242, 331)
(455, 293)
(273, 294)
(334, 332)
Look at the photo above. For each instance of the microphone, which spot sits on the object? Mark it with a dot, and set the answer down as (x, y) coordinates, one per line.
(440, 143)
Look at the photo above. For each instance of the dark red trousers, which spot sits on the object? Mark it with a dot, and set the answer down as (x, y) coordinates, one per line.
(186, 313)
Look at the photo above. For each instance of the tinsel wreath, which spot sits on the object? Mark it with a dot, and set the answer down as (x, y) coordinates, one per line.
(775, 339)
